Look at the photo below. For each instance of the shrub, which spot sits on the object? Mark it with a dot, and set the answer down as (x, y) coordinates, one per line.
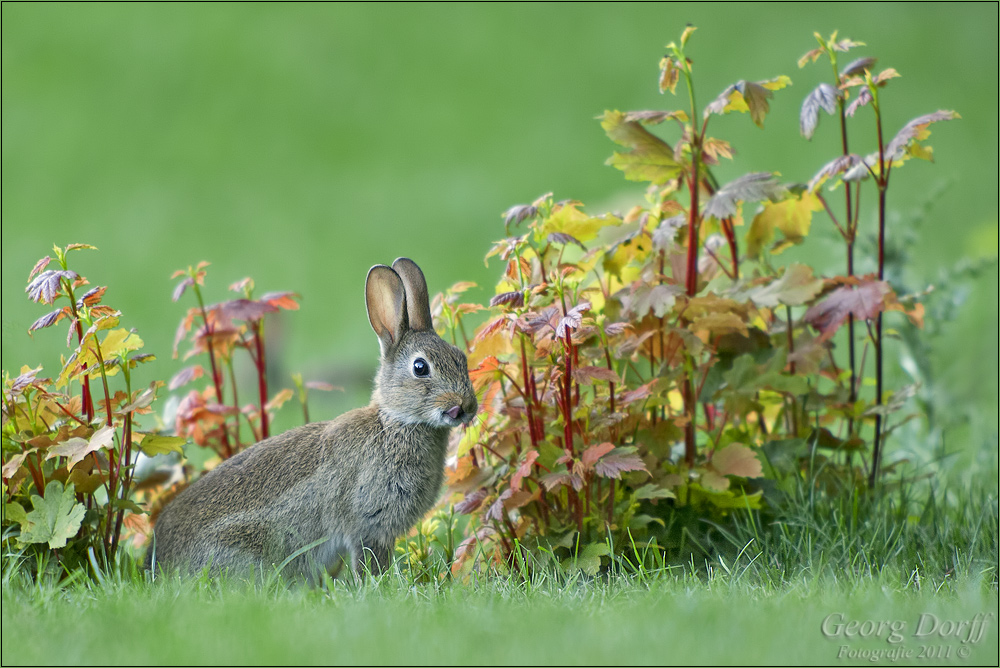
(638, 366)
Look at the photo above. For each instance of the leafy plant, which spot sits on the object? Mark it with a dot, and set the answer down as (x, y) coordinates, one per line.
(642, 367)
(851, 168)
(226, 327)
(66, 456)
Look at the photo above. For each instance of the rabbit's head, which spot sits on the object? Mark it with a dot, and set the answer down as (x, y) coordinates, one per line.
(421, 379)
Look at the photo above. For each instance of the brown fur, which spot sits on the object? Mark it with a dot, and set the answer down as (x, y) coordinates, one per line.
(351, 485)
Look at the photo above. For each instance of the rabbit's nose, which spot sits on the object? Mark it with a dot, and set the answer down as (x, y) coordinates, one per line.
(454, 412)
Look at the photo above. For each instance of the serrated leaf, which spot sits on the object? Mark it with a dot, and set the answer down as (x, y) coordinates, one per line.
(752, 187)
(864, 300)
(568, 219)
(185, 376)
(749, 96)
(791, 216)
(652, 491)
(796, 286)
(15, 512)
(915, 130)
(589, 559)
(649, 158)
(858, 66)
(586, 375)
(737, 459)
(154, 444)
(618, 461)
(55, 518)
(471, 502)
(44, 287)
(669, 75)
(77, 448)
(839, 165)
(523, 470)
(822, 97)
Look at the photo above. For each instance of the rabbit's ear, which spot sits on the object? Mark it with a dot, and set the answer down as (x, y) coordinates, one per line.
(385, 298)
(418, 307)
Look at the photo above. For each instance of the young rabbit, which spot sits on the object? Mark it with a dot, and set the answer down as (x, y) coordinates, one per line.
(348, 487)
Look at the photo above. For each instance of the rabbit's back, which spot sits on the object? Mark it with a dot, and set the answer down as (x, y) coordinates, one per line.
(253, 508)
(351, 484)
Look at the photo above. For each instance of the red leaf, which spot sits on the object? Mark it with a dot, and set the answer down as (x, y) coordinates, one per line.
(487, 370)
(285, 300)
(573, 318)
(594, 453)
(92, 296)
(588, 374)
(471, 501)
(181, 287)
(640, 392)
(523, 470)
(518, 213)
(246, 309)
(24, 380)
(185, 376)
(864, 301)
(554, 480)
(45, 286)
(50, 319)
(41, 264)
(515, 299)
(614, 464)
(563, 238)
(320, 385)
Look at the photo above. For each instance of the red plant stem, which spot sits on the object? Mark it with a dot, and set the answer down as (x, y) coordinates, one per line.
(227, 450)
(883, 183)
(730, 233)
(611, 384)
(87, 400)
(689, 436)
(258, 339)
(567, 408)
(849, 238)
(37, 475)
(791, 338)
(527, 400)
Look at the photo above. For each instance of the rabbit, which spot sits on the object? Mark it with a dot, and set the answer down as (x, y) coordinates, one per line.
(336, 491)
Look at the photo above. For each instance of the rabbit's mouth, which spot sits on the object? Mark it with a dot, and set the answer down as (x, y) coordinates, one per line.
(456, 415)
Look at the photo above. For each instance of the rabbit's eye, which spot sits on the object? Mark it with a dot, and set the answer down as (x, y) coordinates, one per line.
(421, 369)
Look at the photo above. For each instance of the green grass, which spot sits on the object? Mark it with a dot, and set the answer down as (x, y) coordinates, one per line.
(764, 603)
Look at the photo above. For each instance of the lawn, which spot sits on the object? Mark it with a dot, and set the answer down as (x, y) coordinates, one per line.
(301, 144)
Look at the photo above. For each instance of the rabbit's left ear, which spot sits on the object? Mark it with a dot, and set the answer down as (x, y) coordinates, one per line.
(385, 298)
(418, 307)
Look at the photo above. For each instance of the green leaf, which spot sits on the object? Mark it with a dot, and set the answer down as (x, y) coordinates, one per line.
(650, 158)
(795, 287)
(652, 491)
(55, 518)
(15, 512)
(589, 560)
(154, 444)
(77, 448)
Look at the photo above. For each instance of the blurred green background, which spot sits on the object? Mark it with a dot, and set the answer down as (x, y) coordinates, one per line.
(300, 144)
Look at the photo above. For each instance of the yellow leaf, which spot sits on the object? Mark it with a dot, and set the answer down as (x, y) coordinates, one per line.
(568, 219)
(792, 216)
(118, 341)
